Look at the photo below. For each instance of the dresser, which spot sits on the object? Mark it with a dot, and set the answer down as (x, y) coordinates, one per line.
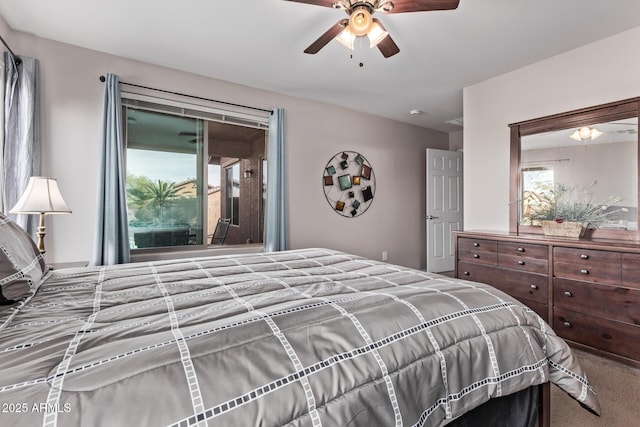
(587, 290)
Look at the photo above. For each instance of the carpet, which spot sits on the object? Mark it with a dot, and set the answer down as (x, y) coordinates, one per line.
(618, 388)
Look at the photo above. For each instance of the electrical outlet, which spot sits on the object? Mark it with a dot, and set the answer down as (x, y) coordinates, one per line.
(384, 255)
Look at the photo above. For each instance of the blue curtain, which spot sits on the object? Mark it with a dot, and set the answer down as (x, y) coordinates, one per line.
(111, 234)
(275, 238)
(20, 154)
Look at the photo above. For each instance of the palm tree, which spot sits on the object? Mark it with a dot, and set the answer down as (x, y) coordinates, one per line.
(161, 195)
(149, 194)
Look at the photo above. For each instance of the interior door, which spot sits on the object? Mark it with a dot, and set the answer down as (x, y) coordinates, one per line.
(444, 207)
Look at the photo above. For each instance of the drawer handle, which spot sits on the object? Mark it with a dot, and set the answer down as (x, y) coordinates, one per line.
(476, 244)
(521, 262)
(567, 324)
(584, 271)
(520, 249)
(476, 256)
(584, 256)
(534, 286)
(568, 294)
(466, 273)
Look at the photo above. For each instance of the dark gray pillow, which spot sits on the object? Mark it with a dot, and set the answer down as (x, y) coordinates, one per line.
(21, 264)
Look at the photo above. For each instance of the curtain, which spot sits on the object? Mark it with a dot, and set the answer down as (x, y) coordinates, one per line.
(111, 234)
(275, 238)
(20, 158)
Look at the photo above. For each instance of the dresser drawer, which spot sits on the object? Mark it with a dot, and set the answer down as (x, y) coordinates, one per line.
(477, 272)
(608, 301)
(588, 265)
(527, 250)
(631, 270)
(489, 258)
(475, 245)
(529, 289)
(608, 335)
(523, 263)
(523, 286)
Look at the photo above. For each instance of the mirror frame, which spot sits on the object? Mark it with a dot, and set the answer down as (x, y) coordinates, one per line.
(612, 111)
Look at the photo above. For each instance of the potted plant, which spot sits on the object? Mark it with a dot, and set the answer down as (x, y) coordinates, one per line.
(568, 210)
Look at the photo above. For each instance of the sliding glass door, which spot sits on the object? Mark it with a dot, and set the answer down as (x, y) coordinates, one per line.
(186, 173)
(164, 179)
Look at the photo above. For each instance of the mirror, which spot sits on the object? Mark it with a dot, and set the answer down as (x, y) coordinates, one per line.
(577, 166)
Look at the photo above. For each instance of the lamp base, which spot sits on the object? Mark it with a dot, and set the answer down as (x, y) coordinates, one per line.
(42, 231)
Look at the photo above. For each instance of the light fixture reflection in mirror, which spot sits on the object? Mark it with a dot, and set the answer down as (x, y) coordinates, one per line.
(585, 133)
(605, 165)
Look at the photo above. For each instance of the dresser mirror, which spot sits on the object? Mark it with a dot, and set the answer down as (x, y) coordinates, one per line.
(583, 160)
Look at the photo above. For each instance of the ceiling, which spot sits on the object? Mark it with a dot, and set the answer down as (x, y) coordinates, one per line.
(151, 130)
(260, 43)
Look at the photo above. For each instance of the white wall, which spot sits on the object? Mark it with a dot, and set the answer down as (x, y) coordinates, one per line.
(71, 108)
(613, 168)
(601, 72)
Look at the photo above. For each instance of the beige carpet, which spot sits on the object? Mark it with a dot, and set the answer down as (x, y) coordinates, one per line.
(618, 388)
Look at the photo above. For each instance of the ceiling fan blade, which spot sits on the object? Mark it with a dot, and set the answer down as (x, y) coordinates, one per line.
(329, 35)
(388, 47)
(402, 6)
(325, 3)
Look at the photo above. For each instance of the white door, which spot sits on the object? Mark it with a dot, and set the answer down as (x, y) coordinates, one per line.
(444, 207)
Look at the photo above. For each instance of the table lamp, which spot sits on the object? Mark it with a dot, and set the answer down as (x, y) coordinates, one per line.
(42, 197)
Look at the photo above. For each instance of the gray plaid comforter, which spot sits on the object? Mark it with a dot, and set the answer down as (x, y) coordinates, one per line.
(301, 338)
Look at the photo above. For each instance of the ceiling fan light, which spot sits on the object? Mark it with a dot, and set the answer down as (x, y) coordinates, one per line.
(595, 133)
(346, 38)
(576, 135)
(360, 21)
(376, 34)
(585, 133)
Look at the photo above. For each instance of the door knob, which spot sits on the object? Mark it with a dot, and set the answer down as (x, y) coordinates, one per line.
(432, 217)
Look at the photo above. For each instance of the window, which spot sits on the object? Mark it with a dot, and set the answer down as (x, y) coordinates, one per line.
(537, 190)
(185, 170)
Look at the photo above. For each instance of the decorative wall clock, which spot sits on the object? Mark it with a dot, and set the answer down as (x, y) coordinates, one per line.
(349, 183)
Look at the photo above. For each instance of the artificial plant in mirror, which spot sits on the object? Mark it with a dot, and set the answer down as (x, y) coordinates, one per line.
(581, 172)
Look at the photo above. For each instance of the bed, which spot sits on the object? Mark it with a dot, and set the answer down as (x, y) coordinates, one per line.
(305, 337)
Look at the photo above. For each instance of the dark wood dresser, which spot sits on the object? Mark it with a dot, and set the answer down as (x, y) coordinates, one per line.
(587, 290)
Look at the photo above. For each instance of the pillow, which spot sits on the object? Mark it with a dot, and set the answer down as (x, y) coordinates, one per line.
(21, 263)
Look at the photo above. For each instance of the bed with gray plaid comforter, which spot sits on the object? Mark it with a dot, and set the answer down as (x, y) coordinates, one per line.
(310, 337)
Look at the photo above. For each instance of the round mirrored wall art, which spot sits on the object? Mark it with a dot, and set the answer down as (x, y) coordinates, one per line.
(349, 183)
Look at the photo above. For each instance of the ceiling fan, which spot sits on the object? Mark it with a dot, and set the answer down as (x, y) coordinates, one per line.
(361, 23)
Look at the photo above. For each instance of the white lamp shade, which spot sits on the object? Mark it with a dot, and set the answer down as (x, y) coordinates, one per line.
(42, 196)
(346, 38)
(376, 34)
(595, 133)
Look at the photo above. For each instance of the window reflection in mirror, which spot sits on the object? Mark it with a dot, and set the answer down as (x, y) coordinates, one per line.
(596, 162)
